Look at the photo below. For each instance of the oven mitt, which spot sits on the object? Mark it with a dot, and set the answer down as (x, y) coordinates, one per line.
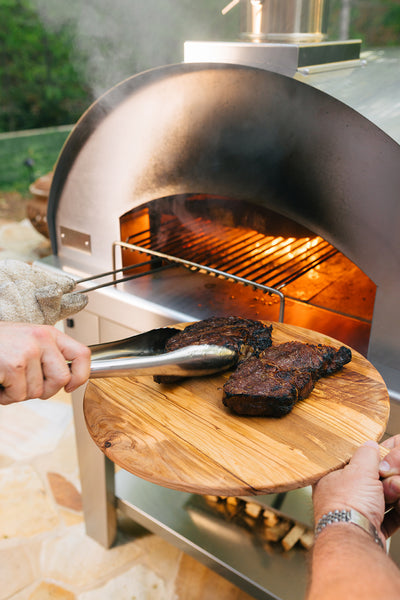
(29, 294)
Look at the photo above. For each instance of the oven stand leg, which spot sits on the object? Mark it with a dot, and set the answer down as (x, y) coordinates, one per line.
(278, 501)
(97, 480)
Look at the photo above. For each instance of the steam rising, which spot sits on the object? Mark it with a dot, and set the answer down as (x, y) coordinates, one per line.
(124, 37)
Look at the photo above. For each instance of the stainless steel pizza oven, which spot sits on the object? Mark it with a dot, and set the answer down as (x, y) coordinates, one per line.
(194, 159)
(281, 182)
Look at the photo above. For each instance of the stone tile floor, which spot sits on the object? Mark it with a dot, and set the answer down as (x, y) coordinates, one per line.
(44, 551)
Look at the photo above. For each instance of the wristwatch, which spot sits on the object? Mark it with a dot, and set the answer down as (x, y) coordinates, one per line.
(348, 516)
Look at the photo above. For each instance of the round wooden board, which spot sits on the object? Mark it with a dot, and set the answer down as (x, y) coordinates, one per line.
(181, 436)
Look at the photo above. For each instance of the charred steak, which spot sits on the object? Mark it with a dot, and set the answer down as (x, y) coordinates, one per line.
(268, 380)
(257, 388)
(245, 336)
(283, 374)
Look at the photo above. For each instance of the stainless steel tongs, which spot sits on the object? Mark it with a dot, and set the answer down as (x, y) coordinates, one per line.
(144, 354)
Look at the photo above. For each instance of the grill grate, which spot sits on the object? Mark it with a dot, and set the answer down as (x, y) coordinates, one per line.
(266, 260)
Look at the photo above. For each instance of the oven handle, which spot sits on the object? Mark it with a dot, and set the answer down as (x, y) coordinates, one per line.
(198, 267)
(172, 260)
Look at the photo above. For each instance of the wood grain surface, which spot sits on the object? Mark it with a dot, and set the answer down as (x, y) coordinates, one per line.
(181, 436)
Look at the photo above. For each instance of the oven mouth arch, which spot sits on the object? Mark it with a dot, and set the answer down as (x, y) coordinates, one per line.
(259, 245)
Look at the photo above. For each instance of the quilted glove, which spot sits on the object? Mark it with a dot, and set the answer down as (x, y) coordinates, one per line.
(29, 294)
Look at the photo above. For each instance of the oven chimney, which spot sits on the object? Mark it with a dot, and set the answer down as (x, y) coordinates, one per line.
(282, 21)
(283, 36)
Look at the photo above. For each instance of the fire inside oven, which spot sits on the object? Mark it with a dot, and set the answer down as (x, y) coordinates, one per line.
(323, 289)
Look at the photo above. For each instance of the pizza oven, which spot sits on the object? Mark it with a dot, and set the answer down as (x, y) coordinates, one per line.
(224, 185)
(245, 172)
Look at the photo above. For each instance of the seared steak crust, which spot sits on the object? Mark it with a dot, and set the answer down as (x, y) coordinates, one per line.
(271, 384)
(257, 388)
(319, 360)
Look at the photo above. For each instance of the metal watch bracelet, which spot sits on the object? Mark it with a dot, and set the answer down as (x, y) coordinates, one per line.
(348, 516)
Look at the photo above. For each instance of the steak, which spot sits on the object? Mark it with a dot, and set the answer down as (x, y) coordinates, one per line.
(247, 337)
(257, 388)
(268, 379)
(271, 384)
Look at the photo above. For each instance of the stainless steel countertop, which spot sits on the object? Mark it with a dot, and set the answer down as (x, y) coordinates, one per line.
(372, 88)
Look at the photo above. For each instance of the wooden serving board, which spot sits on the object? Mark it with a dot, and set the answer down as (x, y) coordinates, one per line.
(181, 436)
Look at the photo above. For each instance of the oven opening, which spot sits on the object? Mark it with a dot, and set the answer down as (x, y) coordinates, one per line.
(323, 289)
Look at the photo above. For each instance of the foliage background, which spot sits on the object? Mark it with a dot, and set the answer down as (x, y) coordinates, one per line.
(39, 84)
(376, 22)
(56, 57)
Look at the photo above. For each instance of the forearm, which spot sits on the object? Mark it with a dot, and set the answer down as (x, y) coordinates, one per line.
(347, 563)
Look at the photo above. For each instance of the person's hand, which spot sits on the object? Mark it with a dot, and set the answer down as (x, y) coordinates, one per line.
(389, 470)
(356, 486)
(33, 362)
(29, 294)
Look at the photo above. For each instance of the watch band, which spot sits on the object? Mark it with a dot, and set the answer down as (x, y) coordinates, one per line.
(348, 516)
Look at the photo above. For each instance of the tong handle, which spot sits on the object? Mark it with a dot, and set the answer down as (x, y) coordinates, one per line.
(185, 362)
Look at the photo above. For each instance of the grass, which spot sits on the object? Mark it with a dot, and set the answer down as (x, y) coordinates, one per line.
(27, 155)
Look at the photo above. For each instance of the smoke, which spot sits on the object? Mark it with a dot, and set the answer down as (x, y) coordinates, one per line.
(118, 38)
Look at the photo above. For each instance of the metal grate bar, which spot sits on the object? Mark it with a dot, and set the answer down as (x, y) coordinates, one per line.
(289, 277)
(225, 254)
(299, 259)
(275, 253)
(193, 241)
(268, 260)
